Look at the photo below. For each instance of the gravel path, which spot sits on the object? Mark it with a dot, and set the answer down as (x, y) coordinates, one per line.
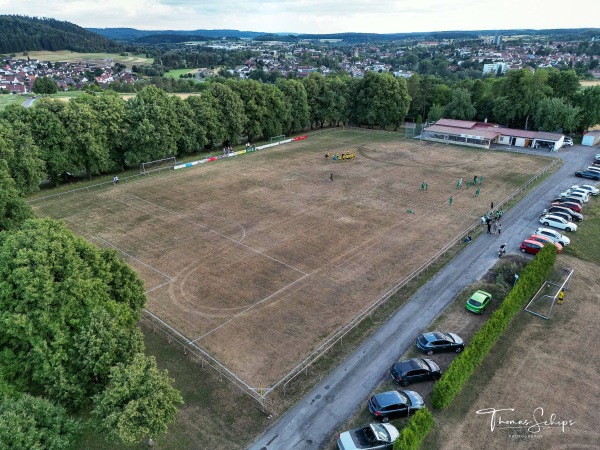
(313, 420)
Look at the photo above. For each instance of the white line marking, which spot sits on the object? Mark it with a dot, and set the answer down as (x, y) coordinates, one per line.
(249, 308)
(181, 216)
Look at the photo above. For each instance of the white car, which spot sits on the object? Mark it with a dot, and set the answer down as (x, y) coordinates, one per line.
(576, 190)
(550, 220)
(554, 235)
(588, 188)
(579, 195)
(594, 169)
(568, 142)
(375, 436)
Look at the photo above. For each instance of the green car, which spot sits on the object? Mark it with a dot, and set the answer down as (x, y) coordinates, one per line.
(478, 302)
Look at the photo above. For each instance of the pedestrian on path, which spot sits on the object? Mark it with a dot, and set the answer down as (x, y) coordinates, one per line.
(489, 225)
(495, 227)
(499, 226)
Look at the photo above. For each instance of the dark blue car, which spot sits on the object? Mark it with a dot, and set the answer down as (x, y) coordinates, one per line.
(588, 174)
(436, 341)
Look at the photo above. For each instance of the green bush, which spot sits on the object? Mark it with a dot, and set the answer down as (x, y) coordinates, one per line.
(462, 367)
(415, 432)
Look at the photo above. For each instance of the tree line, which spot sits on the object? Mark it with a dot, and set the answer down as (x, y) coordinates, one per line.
(23, 33)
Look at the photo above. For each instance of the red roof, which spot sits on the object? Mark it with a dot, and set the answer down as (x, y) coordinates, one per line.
(486, 134)
(456, 123)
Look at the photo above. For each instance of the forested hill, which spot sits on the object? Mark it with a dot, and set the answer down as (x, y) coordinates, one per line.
(22, 33)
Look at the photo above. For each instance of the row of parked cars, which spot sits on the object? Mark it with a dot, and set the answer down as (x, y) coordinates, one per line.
(592, 171)
(401, 402)
(562, 213)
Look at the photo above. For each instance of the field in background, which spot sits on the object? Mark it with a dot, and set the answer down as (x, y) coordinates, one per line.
(176, 72)
(587, 83)
(69, 56)
(14, 99)
(258, 259)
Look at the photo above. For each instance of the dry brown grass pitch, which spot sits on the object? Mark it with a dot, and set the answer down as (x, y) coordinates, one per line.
(259, 258)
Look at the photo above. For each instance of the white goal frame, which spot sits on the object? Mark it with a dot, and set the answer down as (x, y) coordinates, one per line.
(158, 165)
(279, 138)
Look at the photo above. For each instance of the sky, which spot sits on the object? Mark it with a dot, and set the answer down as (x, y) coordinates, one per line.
(314, 16)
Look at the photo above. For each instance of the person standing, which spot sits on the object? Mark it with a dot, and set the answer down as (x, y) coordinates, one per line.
(492, 205)
(499, 227)
(331, 177)
(495, 227)
(489, 225)
(450, 200)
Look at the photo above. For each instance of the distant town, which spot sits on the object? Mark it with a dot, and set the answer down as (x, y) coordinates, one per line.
(488, 56)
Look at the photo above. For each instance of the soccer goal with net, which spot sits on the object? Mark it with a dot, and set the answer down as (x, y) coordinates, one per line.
(158, 165)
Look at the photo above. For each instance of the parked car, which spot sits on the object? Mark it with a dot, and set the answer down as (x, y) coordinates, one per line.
(478, 301)
(532, 247)
(569, 199)
(569, 214)
(570, 205)
(583, 197)
(437, 341)
(568, 142)
(587, 174)
(392, 404)
(575, 191)
(545, 240)
(587, 187)
(375, 436)
(550, 220)
(553, 234)
(561, 214)
(593, 168)
(413, 370)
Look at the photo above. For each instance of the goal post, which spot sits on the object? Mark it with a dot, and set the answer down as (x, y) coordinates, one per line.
(279, 138)
(158, 165)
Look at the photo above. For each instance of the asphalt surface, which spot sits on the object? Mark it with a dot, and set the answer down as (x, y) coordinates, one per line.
(27, 103)
(310, 424)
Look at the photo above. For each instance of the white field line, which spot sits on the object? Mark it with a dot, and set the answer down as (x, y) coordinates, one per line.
(137, 260)
(249, 308)
(181, 216)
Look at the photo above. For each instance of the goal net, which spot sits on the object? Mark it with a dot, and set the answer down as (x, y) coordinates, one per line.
(158, 165)
(279, 138)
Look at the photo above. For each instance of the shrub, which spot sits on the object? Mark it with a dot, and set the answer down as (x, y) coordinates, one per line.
(413, 434)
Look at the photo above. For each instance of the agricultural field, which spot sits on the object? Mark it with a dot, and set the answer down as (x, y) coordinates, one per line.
(175, 73)
(69, 56)
(259, 259)
(588, 83)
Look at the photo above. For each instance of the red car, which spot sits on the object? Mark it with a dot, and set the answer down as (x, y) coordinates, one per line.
(545, 240)
(574, 206)
(533, 247)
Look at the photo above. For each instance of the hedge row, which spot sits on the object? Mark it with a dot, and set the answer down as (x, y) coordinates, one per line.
(418, 428)
(462, 367)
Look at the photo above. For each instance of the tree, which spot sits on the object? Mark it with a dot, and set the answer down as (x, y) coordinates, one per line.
(255, 108)
(564, 84)
(28, 422)
(315, 90)
(297, 100)
(44, 85)
(152, 126)
(277, 117)
(554, 114)
(230, 110)
(139, 401)
(68, 312)
(336, 100)
(51, 138)
(205, 115)
(588, 100)
(13, 208)
(460, 107)
(435, 113)
(192, 137)
(86, 137)
(381, 100)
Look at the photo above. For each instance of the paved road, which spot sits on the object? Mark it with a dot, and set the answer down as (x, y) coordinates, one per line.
(314, 419)
(27, 103)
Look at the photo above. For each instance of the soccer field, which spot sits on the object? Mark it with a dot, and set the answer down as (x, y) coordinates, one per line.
(258, 259)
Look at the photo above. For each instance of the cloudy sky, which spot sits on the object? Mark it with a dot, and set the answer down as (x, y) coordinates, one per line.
(314, 16)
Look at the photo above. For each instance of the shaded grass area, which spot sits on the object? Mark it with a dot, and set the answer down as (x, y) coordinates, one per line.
(12, 99)
(585, 242)
(214, 414)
